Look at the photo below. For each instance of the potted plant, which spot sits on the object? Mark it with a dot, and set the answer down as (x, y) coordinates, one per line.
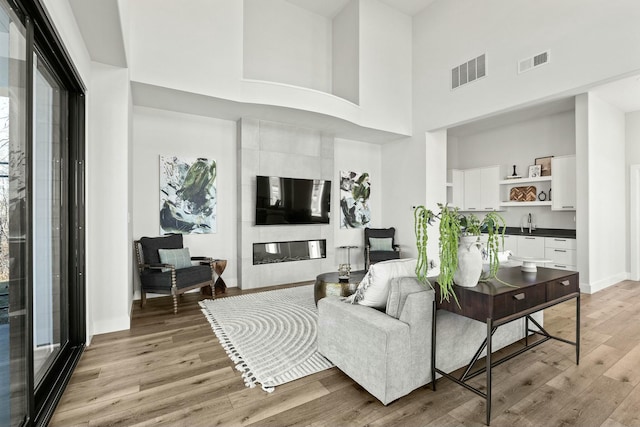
(493, 227)
(453, 227)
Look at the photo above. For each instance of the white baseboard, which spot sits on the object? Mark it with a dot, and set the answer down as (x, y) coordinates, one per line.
(592, 288)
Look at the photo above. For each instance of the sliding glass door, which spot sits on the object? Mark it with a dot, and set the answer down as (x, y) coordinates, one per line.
(49, 228)
(42, 317)
(13, 203)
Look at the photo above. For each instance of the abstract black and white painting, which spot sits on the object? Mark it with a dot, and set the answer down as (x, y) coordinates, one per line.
(355, 190)
(187, 195)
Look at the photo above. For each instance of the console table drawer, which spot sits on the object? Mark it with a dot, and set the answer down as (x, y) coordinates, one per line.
(561, 287)
(520, 300)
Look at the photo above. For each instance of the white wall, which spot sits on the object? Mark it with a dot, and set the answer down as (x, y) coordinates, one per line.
(345, 38)
(519, 144)
(286, 43)
(158, 132)
(632, 135)
(357, 157)
(606, 260)
(196, 48)
(107, 167)
(385, 66)
(199, 49)
(632, 132)
(590, 41)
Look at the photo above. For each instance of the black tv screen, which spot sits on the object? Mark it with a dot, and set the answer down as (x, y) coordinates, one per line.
(292, 201)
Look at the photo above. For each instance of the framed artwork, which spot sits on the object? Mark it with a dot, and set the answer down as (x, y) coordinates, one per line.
(188, 198)
(535, 171)
(355, 190)
(545, 164)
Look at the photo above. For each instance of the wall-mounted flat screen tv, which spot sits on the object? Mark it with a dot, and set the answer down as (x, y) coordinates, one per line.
(292, 201)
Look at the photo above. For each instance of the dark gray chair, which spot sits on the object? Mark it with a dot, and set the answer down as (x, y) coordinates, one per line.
(159, 278)
(378, 249)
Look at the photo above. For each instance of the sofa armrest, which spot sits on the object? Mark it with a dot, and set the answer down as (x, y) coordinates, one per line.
(368, 345)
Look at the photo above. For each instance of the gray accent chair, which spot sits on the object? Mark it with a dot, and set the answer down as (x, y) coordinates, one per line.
(159, 278)
(372, 256)
(389, 353)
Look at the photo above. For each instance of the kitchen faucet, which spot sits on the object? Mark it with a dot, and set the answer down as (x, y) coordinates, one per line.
(530, 222)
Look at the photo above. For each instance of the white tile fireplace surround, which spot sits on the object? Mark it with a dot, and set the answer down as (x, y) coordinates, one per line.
(274, 149)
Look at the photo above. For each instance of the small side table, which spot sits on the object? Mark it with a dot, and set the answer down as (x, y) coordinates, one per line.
(348, 248)
(218, 266)
(330, 284)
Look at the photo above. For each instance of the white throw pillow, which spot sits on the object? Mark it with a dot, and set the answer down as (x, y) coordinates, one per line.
(373, 290)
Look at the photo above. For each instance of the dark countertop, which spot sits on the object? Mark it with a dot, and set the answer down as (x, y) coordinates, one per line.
(542, 232)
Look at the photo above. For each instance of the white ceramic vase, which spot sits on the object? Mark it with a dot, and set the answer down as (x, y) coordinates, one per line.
(469, 262)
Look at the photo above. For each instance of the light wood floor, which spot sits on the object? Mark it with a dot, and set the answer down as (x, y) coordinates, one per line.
(170, 370)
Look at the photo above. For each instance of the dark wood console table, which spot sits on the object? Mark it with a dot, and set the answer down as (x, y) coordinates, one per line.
(496, 304)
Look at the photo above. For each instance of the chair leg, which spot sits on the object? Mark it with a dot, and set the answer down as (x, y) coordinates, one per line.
(175, 304)
(143, 298)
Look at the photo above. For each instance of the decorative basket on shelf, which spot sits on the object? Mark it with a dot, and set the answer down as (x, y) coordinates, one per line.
(523, 194)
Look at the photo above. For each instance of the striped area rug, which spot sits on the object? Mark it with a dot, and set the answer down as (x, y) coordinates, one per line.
(271, 336)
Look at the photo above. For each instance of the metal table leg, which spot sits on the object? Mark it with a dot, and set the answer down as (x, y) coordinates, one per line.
(433, 348)
(488, 368)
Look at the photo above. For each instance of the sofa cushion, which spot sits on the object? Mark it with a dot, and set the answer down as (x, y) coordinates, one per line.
(373, 290)
(399, 289)
(179, 258)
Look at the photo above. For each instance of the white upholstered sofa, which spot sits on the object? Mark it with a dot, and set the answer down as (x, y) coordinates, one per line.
(388, 351)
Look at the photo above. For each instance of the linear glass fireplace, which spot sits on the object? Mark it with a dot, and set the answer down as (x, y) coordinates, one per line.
(298, 250)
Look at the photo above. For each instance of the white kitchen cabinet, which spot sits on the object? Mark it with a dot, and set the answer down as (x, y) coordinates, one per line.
(562, 253)
(472, 189)
(563, 183)
(490, 192)
(455, 188)
(481, 190)
(531, 247)
(510, 244)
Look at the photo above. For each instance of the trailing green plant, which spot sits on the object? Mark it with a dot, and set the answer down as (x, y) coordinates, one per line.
(494, 225)
(450, 230)
(422, 219)
(452, 226)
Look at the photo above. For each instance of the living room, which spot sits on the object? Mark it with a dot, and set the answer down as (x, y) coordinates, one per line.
(369, 79)
(161, 96)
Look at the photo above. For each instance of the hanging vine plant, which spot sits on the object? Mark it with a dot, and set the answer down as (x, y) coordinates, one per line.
(448, 245)
(452, 226)
(494, 225)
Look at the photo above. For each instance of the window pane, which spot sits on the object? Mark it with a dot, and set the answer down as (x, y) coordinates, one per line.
(49, 325)
(13, 193)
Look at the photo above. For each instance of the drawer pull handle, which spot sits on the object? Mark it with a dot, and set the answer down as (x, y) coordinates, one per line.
(519, 296)
(560, 266)
(567, 207)
(530, 238)
(560, 240)
(559, 250)
(565, 283)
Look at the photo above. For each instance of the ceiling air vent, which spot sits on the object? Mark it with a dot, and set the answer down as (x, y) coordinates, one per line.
(469, 71)
(533, 62)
